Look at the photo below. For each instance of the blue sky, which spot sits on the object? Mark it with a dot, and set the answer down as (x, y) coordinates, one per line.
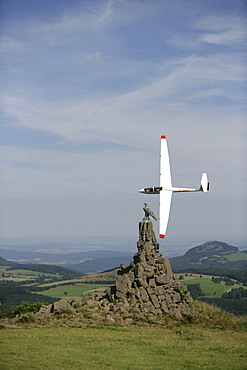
(88, 87)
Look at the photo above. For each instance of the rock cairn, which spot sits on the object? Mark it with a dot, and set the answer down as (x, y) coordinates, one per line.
(148, 285)
(146, 288)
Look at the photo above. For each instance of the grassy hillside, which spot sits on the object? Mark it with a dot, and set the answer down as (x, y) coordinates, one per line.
(121, 348)
(239, 256)
(216, 341)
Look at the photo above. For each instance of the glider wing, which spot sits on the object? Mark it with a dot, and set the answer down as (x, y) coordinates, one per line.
(165, 172)
(165, 203)
(166, 186)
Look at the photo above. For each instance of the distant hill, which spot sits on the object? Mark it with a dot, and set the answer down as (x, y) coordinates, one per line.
(211, 248)
(212, 254)
(4, 262)
(71, 257)
(100, 264)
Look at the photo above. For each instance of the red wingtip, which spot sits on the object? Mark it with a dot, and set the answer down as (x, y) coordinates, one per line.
(163, 137)
(162, 236)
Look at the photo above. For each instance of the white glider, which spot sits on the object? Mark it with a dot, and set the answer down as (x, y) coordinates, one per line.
(166, 189)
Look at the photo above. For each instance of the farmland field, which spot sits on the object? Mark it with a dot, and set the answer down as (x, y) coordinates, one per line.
(208, 286)
(236, 256)
(22, 275)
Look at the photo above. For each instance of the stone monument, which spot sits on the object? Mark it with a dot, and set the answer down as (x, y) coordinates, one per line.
(148, 285)
(144, 289)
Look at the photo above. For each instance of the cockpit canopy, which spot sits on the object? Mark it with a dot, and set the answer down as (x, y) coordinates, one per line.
(154, 190)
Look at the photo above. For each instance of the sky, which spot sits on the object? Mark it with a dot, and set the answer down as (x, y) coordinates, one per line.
(88, 88)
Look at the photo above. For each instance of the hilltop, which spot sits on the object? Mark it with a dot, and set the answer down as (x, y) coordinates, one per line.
(212, 254)
(4, 262)
(212, 248)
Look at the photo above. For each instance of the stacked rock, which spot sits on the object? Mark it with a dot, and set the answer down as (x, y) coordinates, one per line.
(148, 284)
(147, 287)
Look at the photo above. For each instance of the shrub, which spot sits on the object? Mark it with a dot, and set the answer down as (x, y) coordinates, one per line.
(24, 308)
(27, 318)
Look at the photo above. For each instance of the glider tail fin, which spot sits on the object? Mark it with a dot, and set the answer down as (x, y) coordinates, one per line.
(204, 183)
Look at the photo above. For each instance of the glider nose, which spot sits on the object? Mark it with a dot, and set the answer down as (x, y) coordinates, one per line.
(142, 191)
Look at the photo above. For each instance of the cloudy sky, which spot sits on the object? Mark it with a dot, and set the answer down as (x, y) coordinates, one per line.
(88, 87)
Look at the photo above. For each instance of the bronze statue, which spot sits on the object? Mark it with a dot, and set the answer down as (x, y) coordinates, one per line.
(148, 212)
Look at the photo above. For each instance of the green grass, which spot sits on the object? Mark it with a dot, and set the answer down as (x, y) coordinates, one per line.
(123, 348)
(73, 290)
(236, 256)
(208, 286)
(3, 269)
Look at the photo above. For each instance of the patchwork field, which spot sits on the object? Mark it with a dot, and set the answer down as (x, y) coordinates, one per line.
(209, 288)
(22, 275)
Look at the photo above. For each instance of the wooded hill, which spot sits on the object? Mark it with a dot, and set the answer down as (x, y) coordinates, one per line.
(4, 262)
(213, 254)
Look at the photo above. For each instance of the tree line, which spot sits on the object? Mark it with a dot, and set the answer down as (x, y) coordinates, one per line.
(11, 296)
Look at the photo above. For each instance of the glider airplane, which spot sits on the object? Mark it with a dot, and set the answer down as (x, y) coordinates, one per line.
(166, 189)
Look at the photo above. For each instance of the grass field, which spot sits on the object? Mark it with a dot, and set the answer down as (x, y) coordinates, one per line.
(72, 290)
(3, 269)
(120, 348)
(236, 256)
(208, 287)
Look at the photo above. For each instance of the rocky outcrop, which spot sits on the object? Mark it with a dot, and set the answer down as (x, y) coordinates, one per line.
(145, 288)
(148, 285)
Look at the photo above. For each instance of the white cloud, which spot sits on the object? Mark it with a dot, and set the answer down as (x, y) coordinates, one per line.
(216, 30)
(223, 30)
(121, 117)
